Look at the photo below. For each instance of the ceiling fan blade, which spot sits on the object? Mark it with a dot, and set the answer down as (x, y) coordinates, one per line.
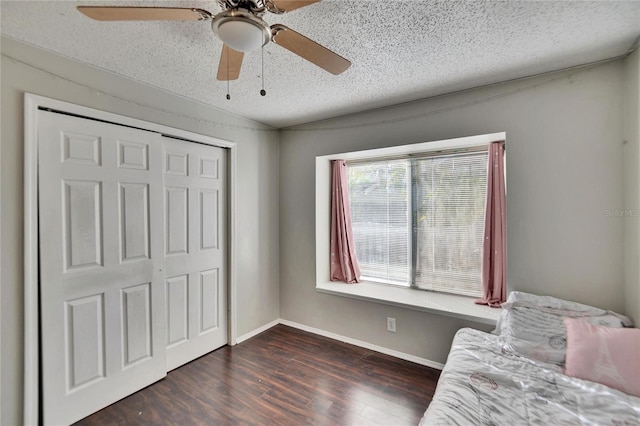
(230, 64)
(289, 5)
(100, 13)
(309, 49)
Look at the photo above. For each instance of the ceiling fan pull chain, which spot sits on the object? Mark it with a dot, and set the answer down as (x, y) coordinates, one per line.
(228, 95)
(263, 92)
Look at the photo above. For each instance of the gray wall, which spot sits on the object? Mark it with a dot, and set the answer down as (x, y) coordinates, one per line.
(26, 69)
(564, 170)
(632, 185)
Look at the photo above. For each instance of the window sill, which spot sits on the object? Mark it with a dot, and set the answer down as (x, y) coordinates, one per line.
(452, 305)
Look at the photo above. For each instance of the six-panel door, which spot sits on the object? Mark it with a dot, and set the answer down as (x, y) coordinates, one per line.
(195, 241)
(129, 267)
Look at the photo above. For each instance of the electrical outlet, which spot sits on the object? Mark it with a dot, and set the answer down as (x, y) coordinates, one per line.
(391, 324)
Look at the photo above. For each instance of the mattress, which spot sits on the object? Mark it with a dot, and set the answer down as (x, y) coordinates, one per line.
(482, 384)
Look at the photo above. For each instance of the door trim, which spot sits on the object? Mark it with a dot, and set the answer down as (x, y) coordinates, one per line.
(32, 103)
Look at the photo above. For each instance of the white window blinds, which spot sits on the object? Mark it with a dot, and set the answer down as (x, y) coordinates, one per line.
(420, 221)
(450, 194)
(379, 194)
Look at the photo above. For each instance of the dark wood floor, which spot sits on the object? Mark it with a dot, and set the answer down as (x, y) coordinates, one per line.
(283, 376)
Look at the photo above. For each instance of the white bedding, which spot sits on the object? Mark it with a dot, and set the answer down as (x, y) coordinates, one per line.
(532, 326)
(542, 335)
(481, 384)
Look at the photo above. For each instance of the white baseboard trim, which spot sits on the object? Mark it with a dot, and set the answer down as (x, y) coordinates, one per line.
(366, 345)
(340, 338)
(257, 331)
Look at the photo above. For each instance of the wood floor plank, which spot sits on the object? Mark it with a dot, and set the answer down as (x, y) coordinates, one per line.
(283, 376)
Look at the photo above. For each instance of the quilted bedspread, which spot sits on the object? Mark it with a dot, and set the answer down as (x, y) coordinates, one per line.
(481, 384)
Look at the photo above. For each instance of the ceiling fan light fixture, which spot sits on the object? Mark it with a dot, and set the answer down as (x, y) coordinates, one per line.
(241, 31)
(241, 35)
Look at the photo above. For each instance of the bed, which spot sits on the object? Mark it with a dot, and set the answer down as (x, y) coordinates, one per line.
(517, 375)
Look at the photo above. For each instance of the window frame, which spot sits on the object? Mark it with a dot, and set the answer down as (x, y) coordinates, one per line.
(323, 189)
(412, 186)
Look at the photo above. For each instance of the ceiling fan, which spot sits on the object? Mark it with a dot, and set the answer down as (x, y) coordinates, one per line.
(240, 27)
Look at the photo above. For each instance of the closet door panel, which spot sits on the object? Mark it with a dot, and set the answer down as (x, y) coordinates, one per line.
(195, 206)
(101, 255)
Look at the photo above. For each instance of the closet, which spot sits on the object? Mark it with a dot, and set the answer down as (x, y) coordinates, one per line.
(133, 259)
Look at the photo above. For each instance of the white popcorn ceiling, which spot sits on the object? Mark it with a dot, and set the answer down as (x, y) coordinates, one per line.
(400, 50)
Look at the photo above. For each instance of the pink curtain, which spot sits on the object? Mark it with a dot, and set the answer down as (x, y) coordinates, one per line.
(344, 264)
(494, 248)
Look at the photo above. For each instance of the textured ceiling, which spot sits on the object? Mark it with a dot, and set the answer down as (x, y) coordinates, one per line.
(400, 50)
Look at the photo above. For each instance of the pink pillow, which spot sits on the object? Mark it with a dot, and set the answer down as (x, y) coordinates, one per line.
(606, 355)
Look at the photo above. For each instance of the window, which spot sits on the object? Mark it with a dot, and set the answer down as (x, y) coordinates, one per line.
(406, 292)
(418, 220)
(379, 194)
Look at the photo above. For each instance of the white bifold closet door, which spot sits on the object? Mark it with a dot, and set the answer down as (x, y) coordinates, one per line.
(132, 277)
(195, 241)
(102, 303)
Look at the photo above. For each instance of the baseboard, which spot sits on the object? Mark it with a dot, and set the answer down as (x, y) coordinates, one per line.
(340, 338)
(366, 345)
(257, 331)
